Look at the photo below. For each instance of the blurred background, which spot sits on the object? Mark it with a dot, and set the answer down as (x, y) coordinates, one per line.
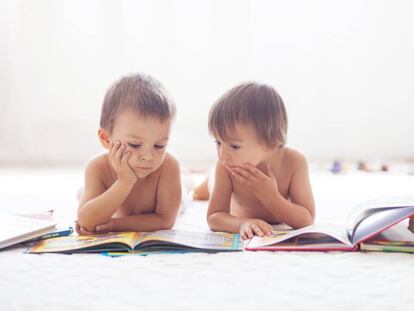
(344, 69)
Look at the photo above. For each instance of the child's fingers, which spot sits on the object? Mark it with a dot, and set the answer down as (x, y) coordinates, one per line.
(241, 179)
(244, 172)
(249, 232)
(114, 148)
(102, 228)
(257, 230)
(85, 232)
(118, 154)
(243, 235)
(125, 158)
(267, 229)
(77, 228)
(253, 171)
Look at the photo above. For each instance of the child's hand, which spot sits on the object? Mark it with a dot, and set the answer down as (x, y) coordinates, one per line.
(82, 231)
(100, 229)
(261, 184)
(252, 227)
(119, 158)
(105, 228)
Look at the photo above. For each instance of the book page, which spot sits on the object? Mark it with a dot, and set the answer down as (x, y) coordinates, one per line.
(395, 235)
(368, 208)
(377, 222)
(97, 242)
(316, 234)
(201, 240)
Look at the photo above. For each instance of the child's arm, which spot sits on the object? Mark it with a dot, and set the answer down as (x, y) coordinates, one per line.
(300, 210)
(97, 205)
(218, 215)
(168, 204)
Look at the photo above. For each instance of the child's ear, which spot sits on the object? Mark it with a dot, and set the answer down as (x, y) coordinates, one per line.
(104, 138)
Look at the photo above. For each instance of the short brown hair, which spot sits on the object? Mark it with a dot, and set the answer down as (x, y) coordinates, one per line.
(139, 92)
(256, 104)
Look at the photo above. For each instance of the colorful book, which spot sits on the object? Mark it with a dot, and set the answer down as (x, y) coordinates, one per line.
(162, 240)
(58, 232)
(15, 229)
(397, 238)
(364, 222)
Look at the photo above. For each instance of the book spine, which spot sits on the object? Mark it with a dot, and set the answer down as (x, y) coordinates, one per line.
(56, 234)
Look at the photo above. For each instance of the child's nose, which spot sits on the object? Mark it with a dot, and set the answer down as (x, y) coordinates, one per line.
(147, 156)
(224, 156)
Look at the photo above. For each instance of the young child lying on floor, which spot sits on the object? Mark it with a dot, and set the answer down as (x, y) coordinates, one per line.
(258, 180)
(135, 185)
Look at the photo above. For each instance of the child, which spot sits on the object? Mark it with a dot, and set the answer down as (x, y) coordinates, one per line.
(135, 186)
(258, 180)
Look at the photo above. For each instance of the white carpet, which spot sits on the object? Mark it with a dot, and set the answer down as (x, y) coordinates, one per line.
(243, 281)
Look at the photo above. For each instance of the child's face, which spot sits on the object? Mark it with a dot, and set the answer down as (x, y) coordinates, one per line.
(145, 137)
(243, 146)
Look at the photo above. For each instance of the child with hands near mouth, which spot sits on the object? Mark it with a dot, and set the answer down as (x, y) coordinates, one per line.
(136, 185)
(258, 180)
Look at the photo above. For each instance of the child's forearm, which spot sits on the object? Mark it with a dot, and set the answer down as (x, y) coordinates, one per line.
(142, 223)
(99, 210)
(222, 221)
(294, 215)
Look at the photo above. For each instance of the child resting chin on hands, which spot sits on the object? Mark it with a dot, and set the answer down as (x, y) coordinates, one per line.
(135, 185)
(258, 180)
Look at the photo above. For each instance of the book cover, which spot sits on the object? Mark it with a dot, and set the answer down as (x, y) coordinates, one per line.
(15, 229)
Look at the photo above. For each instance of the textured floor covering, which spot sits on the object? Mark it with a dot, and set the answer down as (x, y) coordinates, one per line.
(243, 281)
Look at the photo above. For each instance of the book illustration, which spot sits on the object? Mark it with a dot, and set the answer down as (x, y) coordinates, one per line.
(199, 239)
(76, 242)
(162, 240)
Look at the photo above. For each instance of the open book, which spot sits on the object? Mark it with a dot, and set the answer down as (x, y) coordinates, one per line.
(15, 229)
(397, 238)
(135, 241)
(364, 222)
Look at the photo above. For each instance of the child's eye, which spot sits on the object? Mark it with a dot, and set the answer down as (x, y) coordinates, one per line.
(235, 147)
(134, 146)
(159, 146)
(217, 143)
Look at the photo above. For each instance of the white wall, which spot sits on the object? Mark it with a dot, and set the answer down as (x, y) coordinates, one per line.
(344, 68)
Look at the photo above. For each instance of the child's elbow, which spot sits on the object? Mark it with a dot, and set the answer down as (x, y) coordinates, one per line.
(212, 223)
(86, 223)
(306, 221)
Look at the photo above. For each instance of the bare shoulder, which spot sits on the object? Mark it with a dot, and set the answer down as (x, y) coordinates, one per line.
(293, 158)
(97, 165)
(170, 165)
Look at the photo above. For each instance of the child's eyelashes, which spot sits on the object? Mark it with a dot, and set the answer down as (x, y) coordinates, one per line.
(233, 146)
(134, 146)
